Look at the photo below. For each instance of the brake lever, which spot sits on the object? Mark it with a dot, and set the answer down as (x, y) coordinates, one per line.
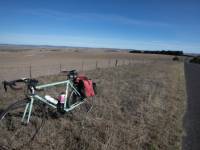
(33, 83)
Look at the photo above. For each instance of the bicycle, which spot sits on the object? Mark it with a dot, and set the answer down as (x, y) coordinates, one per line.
(31, 109)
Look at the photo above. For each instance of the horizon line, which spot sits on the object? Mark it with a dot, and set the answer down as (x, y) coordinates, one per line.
(68, 46)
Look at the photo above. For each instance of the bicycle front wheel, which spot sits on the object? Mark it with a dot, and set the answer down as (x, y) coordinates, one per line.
(14, 134)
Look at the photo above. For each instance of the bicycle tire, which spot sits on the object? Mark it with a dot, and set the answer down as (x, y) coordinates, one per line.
(14, 134)
(74, 97)
(21, 103)
(82, 112)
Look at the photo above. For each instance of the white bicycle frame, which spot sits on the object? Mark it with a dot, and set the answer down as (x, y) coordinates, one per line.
(33, 97)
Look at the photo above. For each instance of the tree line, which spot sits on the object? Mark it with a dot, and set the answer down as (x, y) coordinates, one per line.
(164, 52)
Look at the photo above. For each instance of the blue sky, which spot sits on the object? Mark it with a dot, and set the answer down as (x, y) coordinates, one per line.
(137, 24)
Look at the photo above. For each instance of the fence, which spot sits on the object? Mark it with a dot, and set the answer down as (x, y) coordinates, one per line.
(32, 70)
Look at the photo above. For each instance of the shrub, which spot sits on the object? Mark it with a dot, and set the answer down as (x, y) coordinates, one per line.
(175, 58)
(195, 60)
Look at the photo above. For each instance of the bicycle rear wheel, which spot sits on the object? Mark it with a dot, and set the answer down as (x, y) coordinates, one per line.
(14, 134)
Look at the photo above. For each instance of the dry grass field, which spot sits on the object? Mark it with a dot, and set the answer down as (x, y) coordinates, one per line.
(16, 64)
(138, 106)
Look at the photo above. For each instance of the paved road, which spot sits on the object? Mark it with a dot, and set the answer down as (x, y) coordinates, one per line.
(192, 117)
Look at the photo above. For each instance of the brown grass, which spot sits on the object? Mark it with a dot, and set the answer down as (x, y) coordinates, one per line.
(138, 106)
(17, 64)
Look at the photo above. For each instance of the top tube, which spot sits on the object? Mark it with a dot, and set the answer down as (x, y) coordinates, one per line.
(52, 84)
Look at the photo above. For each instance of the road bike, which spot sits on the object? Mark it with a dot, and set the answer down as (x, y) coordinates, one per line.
(24, 118)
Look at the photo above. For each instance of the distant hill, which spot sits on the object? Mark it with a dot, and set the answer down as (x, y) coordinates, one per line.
(15, 47)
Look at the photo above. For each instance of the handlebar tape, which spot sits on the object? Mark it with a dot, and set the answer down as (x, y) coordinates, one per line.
(12, 84)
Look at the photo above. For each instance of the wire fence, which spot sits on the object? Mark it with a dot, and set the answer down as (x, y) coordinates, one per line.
(32, 70)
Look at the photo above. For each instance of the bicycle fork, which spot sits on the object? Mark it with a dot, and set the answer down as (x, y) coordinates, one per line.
(27, 111)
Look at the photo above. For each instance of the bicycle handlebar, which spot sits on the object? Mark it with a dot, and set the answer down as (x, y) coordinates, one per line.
(31, 83)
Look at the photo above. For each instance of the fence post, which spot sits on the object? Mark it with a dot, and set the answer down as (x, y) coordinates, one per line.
(96, 64)
(60, 68)
(30, 71)
(82, 65)
(116, 62)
